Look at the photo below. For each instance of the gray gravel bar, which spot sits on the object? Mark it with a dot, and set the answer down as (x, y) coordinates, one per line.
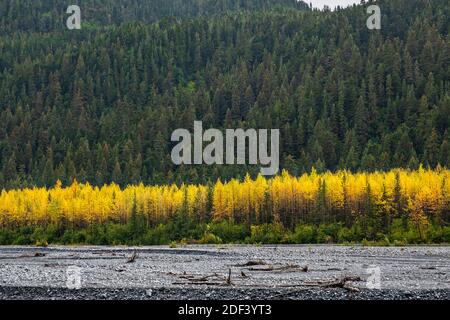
(203, 272)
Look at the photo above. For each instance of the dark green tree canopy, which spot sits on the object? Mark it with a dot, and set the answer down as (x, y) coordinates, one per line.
(99, 104)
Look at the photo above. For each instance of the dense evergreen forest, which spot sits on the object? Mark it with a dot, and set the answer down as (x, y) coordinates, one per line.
(48, 15)
(99, 104)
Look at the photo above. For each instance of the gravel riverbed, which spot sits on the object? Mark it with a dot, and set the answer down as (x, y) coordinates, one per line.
(225, 272)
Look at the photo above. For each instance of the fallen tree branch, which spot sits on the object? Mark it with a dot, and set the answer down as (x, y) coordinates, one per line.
(205, 280)
(200, 279)
(252, 263)
(287, 268)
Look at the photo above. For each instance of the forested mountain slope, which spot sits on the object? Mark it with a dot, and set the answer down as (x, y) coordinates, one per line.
(99, 104)
(49, 15)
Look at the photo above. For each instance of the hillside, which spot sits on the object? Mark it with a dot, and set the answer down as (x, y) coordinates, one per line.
(49, 15)
(99, 104)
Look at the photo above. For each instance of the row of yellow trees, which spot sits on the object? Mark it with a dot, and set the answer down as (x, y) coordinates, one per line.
(313, 197)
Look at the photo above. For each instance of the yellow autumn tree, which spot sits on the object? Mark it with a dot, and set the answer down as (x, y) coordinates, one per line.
(422, 194)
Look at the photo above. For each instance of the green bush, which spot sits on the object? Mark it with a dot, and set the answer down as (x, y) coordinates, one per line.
(229, 232)
(304, 234)
(397, 232)
(117, 234)
(328, 233)
(41, 243)
(39, 236)
(399, 243)
(437, 234)
(96, 235)
(267, 234)
(22, 240)
(6, 237)
(80, 237)
(446, 234)
(156, 236)
(209, 238)
(412, 235)
(345, 235)
(225, 232)
(68, 237)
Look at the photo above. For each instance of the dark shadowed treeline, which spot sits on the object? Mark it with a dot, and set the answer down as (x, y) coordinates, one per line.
(99, 104)
(50, 15)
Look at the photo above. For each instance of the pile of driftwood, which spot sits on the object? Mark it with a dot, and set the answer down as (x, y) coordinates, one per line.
(261, 266)
(250, 266)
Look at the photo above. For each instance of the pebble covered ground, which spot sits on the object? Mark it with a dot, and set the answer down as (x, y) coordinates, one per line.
(225, 272)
